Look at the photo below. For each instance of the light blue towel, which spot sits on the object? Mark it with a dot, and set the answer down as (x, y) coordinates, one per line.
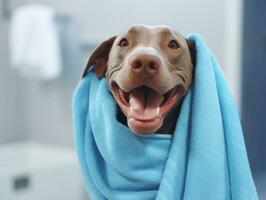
(205, 159)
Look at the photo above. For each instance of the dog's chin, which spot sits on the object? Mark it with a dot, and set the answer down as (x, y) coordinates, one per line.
(144, 108)
(144, 127)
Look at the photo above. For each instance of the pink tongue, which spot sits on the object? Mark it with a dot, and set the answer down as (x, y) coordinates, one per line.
(144, 103)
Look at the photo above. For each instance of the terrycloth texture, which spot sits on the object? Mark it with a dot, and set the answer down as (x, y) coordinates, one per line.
(205, 159)
(34, 42)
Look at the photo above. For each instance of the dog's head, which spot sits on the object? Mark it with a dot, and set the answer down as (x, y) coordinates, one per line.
(149, 70)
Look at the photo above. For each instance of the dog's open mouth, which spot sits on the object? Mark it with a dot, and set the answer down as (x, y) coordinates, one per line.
(144, 107)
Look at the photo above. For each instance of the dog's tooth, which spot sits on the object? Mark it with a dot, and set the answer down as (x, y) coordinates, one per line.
(130, 95)
(130, 109)
(158, 112)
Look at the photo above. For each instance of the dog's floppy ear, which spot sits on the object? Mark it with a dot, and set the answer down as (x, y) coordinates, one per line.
(192, 50)
(99, 58)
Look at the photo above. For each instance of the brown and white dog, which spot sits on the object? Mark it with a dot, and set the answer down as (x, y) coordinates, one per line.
(149, 69)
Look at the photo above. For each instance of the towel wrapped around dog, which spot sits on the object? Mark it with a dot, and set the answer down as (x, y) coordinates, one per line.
(205, 158)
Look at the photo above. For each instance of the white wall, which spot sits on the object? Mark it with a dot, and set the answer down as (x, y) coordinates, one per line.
(12, 124)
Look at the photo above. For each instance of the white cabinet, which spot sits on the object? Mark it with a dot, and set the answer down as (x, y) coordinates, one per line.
(31, 171)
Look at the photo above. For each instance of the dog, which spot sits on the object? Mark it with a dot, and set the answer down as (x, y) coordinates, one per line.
(149, 69)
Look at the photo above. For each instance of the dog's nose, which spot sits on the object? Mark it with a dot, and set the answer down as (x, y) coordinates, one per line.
(147, 64)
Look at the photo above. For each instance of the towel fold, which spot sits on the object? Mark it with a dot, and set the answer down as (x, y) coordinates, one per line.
(205, 158)
(34, 43)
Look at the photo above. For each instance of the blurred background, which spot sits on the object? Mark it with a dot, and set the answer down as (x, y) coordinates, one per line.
(43, 46)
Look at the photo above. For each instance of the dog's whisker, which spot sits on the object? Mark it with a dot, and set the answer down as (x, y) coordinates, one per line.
(112, 70)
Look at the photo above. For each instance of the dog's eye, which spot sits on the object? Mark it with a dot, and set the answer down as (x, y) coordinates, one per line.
(123, 42)
(173, 44)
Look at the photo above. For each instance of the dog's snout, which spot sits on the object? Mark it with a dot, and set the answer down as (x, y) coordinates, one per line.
(145, 63)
